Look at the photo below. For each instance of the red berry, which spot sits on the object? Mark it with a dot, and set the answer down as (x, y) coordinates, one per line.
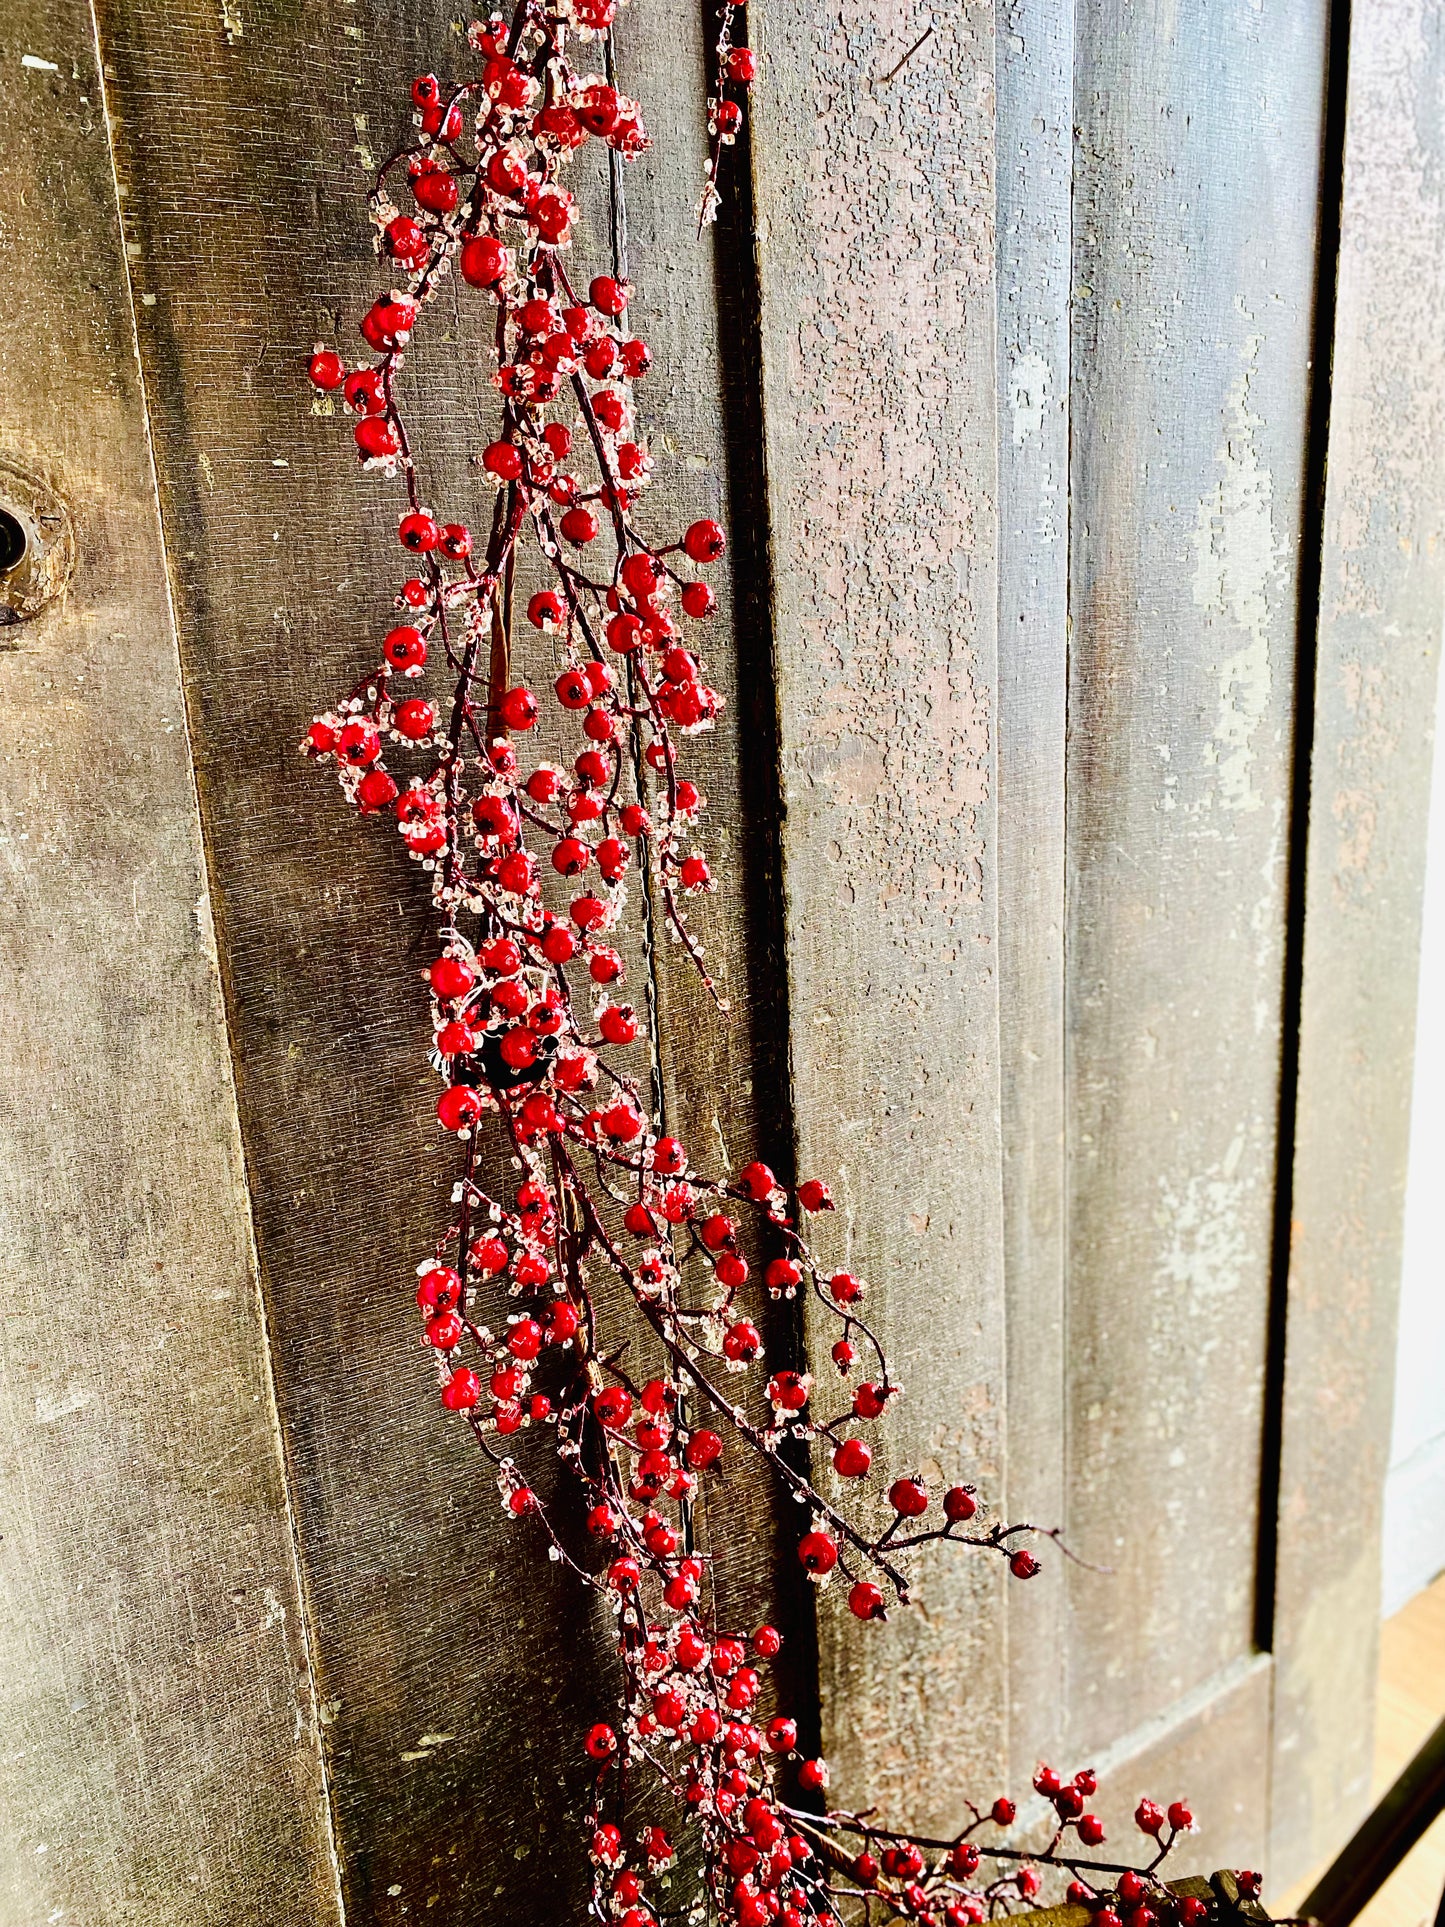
(600, 357)
(618, 1024)
(579, 525)
(742, 65)
(1180, 1818)
(845, 1288)
(326, 369)
(459, 1107)
(483, 261)
(406, 241)
(1091, 1830)
(742, 1342)
(439, 1289)
(818, 1552)
(444, 1330)
(715, 1230)
(865, 1601)
(601, 1742)
(703, 1449)
(959, 1504)
(359, 744)
(518, 709)
(570, 856)
(783, 1275)
(376, 439)
(462, 1390)
(404, 647)
(419, 533)
(1023, 1565)
(669, 1157)
(852, 1459)
(545, 607)
(375, 790)
(869, 1401)
(415, 719)
(1003, 1813)
(704, 542)
(363, 392)
(1148, 1818)
(908, 1497)
(613, 1406)
(524, 1340)
(388, 322)
(608, 296)
(451, 977)
(573, 689)
(813, 1196)
(502, 459)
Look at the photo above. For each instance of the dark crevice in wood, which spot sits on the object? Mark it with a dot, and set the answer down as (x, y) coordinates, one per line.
(1332, 181)
(740, 340)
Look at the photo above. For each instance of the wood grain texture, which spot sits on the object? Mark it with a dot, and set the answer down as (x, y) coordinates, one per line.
(160, 1762)
(1035, 180)
(455, 1674)
(1382, 601)
(875, 210)
(1195, 207)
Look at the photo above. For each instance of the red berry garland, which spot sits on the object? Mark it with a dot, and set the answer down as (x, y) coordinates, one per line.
(529, 865)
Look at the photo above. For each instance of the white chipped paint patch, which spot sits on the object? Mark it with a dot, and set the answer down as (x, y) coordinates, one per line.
(49, 1406)
(1206, 1241)
(37, 65)
(1237, 576)
(1028, 391)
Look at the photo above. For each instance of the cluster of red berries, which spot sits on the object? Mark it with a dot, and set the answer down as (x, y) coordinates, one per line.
(976, 1877)
(529, 861)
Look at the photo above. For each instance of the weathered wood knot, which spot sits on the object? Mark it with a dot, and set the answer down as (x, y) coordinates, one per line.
(37, 545)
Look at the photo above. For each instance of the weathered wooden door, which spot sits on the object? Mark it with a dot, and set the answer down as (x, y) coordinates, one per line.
(1075, 390)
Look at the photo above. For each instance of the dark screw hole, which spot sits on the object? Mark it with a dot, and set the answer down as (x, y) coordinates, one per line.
(13, 543)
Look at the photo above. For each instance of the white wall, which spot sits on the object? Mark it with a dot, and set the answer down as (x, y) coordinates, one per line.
(1414, 1547)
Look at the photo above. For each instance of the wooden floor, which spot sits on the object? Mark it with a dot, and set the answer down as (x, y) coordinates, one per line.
(1412, 1701)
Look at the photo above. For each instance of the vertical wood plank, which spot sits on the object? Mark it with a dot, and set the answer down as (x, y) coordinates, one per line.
(875, 207)
(160, 1762)
(248, 155)
(1035, 172)
(1195, 198)
(1382, 603)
